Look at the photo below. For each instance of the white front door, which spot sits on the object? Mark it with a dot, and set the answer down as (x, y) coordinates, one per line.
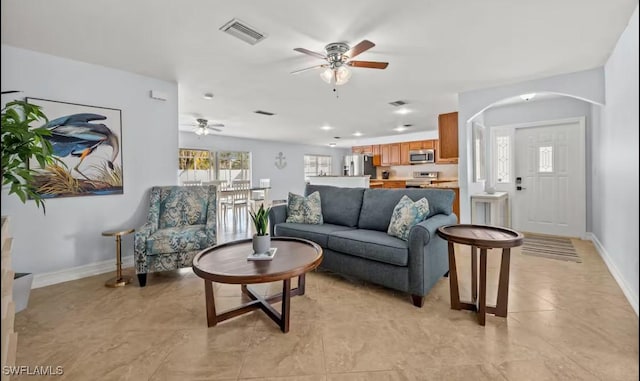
(550, 195)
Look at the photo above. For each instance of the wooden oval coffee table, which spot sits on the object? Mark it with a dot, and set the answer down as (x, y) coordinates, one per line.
(483, 237)
(227, 263)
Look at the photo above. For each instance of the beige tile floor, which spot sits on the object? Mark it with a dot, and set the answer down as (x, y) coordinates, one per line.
(566, 321)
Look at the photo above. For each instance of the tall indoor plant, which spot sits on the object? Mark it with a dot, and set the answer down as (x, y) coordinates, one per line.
(22, 143)
(261, 240)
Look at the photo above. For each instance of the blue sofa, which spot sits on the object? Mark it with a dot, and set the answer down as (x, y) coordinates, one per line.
(355, 241)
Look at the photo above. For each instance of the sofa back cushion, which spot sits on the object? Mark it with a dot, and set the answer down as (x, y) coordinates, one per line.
(340, 206)
(181, 206)
(378, 205)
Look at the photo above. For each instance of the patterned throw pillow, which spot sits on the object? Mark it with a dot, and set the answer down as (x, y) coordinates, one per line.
(304, 210)
(405, 215)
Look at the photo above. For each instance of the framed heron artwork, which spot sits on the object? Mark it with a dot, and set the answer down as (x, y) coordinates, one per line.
(87, 144)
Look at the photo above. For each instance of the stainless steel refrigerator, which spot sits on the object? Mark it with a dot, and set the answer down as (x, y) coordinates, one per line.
(359, 165)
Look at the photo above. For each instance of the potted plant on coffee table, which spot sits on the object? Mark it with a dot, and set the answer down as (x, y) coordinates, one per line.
(261, 240)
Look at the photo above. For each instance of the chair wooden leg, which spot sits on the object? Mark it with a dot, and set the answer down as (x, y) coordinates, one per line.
(142, 279)
(417, 300)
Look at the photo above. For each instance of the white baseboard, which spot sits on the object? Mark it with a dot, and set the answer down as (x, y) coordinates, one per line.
(631, 297)
(46, 279)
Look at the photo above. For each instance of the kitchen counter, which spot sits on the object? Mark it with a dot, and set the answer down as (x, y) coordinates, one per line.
(448, 185)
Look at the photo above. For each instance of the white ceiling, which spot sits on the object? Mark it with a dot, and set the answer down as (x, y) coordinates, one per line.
(435, 49)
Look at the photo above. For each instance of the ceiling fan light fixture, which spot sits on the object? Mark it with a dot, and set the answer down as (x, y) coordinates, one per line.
(338, 76)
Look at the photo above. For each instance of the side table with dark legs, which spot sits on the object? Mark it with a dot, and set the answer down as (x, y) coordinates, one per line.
(483, 237)
(119, 280)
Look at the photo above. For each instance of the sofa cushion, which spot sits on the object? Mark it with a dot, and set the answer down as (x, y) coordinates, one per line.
(304, 210)
(340, 206)
(406, 215)
(370, 244)
(378, 205)
(316, 233)
(172, 240)
(182, 206)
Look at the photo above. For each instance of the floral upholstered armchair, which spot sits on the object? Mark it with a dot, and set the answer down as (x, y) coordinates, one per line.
(181, 222)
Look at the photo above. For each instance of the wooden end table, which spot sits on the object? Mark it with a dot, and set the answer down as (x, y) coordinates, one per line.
(227, 263)
(119, 280)
(483, 237)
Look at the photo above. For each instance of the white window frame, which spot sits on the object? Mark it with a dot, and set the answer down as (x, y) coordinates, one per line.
(317, 169)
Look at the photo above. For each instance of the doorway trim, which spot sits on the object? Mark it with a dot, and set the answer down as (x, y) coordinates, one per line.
(581, 121)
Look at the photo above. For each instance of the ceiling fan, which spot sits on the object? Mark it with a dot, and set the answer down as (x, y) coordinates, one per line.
(338, 56)
(203, 127)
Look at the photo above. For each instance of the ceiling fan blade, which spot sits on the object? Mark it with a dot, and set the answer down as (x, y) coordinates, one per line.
(311, 53)
(369, 64)
(361, 47)
(308, 68)
(215, 129)
(11, 92)
(215, 125)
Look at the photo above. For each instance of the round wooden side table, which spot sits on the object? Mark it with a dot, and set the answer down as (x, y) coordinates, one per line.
(119, 280)
(483, 237)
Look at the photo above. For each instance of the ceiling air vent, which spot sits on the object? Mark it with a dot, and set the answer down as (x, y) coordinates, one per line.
(264, 112)
(241, 30)
(398, 103)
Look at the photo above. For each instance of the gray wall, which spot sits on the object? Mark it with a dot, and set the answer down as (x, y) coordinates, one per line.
(70, 233)
(615, 164)
(263, 157)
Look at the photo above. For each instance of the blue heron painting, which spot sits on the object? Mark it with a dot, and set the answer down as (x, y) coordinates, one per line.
(86, 140)
(74, 135)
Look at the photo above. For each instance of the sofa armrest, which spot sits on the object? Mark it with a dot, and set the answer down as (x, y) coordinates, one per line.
(140, 246)
(428, 253)
(277, 214)
(425, 230)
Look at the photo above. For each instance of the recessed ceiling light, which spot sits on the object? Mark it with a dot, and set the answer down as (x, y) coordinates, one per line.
(527, 97)
(357, 133)
(402, 111)
(400, 128)
(326, 128)
(207, 96)
(332, 144)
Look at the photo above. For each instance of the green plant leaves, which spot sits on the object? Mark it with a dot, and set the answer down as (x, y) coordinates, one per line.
(260, 219)
(22, 143)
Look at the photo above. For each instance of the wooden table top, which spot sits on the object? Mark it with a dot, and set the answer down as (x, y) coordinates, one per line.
(484, 236)
(227, 263)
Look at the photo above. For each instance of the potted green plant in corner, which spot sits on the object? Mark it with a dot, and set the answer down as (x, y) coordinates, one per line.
(261, 240)
(22, 143)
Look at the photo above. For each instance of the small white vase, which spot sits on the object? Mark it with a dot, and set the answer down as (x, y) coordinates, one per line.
(261, 243)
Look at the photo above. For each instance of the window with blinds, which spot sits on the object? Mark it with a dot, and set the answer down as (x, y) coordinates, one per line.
(317, 165)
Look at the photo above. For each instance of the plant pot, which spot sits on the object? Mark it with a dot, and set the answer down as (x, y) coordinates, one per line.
(21, 290)
(261, 243)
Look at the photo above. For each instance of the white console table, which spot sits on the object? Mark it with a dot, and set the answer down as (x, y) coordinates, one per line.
(498, 203)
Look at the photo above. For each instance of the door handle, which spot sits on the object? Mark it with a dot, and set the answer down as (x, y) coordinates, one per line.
(519, 188)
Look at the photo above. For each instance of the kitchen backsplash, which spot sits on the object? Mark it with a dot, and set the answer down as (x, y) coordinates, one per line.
(406, 171)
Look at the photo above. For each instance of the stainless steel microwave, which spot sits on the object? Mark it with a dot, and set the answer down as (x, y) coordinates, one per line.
(422, 157)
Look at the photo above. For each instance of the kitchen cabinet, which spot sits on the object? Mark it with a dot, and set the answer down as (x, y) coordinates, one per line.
(456, 203)
(395, 184)
(385, 155)
(447, 144)
(421, 144)
(394, 153)
(375, 149)
(415, 145)
(404, 153)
